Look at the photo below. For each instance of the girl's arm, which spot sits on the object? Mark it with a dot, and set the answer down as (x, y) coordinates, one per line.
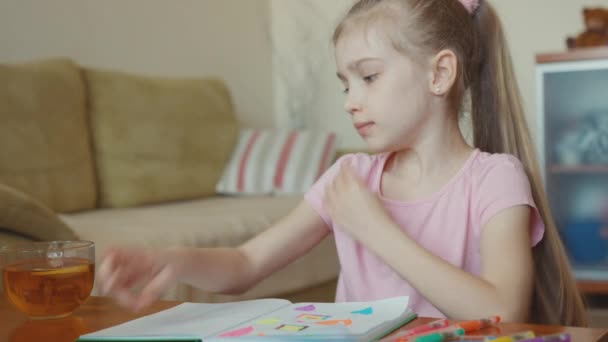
(235, 270)
(504, 287)
(136, 277)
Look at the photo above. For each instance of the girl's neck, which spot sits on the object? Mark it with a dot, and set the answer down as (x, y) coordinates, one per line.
(440, 153)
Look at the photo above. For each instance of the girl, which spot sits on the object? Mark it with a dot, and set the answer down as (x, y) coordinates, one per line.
(465, 232)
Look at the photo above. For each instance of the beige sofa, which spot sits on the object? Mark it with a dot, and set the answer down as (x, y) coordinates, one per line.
(118, 158)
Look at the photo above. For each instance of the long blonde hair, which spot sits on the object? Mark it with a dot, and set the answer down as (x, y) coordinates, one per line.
(425, 27)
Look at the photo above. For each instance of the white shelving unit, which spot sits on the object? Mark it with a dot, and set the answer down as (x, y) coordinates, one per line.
(572, 87)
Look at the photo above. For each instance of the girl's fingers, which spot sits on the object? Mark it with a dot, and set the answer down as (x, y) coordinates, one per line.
(108, 283)
(122, 269)
(349, 175)
(125, 298)
(105, 273)
(153, 290)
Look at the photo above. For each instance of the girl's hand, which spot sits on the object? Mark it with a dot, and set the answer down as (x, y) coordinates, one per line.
(135, 277)
(352, 206)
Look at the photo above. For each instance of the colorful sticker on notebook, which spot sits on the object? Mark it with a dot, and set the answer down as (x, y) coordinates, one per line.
(306, 308)
(291, 327)
(366, 311)
(268, 321)
(313, 317)
(238, 332)
(345, 322)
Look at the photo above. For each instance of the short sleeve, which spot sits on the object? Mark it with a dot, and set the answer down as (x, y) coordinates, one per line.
(504, 184)
(315, 195)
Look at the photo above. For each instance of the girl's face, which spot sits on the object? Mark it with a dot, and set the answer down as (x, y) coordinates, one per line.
(387, 94)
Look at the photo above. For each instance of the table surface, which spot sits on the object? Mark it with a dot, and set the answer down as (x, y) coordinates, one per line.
(101, 312)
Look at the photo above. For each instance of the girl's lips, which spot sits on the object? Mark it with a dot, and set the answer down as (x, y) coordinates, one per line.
(363, 128)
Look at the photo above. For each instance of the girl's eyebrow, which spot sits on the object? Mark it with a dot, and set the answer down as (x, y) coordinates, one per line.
(354, 65)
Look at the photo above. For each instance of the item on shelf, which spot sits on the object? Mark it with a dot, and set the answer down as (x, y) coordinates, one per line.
(584, 141)
(596, 30)
(588, 199)
(567, 150)
(586, 241)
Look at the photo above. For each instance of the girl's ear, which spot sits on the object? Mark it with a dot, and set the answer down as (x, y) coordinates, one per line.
(444, 69)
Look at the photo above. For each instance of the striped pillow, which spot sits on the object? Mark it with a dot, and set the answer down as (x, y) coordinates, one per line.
(276, 161)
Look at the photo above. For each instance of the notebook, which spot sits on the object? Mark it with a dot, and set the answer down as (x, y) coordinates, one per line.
(265, 320)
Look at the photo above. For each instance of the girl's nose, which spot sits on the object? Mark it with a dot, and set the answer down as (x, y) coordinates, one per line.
(351, 106)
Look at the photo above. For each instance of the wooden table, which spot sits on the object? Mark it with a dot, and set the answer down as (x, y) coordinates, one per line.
(99, 312)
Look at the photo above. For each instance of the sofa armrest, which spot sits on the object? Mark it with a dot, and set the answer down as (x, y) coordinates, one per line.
(24, 216)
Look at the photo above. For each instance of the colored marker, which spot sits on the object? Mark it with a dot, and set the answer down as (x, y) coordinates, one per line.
(521, 336)
(472, 338)
(439, 336)
(504, 339)
(449, 329)
(524, 335)
(401, 336)
(478, 324)
(563, 337)
(434, 325)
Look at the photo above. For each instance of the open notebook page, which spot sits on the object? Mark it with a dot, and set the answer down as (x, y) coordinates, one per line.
(190, 319)
(325, 321)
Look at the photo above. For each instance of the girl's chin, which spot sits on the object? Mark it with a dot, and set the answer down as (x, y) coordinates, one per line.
(375, 147)
(382, 146)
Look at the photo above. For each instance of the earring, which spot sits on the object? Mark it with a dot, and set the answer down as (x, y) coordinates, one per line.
(437, 90)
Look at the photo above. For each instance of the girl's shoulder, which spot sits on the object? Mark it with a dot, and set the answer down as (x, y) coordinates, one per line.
(487, 162)
(498, 169)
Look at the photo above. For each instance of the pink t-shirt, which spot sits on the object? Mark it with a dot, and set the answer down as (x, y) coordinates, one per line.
(447, 223)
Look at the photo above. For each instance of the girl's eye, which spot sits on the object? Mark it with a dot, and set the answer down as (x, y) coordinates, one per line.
(370, 78)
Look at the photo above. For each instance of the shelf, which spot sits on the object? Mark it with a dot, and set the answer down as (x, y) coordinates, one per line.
(573, 55)
(585, 169)
(591, 280)
(592, 287)
(591, 274)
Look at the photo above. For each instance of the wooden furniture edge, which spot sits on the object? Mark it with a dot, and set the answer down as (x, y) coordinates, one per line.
(573, 55)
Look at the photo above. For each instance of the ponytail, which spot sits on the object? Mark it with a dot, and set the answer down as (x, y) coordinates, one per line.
(499, 126)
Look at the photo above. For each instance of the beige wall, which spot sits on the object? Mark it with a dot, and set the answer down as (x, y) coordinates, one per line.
(539, 26)
(531, 26)
(225, 38)
(271, 82)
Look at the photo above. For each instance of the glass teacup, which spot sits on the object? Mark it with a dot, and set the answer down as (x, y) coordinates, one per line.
(48, 279)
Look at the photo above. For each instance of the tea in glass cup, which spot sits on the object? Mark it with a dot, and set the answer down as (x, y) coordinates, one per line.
(48, 279)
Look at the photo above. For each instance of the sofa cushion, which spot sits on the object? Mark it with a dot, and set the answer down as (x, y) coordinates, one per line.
(278, 161)
(212, 222)
(44, 136)
(24, 216)
(158, 139)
